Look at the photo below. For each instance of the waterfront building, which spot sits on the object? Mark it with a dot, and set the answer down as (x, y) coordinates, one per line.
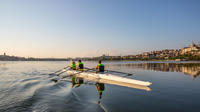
(191, 48)
(199, 44)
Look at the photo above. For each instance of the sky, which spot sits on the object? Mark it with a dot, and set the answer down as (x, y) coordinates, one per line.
(87, 28)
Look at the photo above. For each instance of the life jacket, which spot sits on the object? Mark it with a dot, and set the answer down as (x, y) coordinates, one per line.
(80, 65)
(73, 66)
(101, 67)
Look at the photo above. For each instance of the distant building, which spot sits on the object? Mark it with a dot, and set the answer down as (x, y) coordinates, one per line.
(199, 44)
(4, 54)
(191, 48)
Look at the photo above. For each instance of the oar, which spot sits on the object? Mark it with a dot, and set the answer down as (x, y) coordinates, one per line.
(93, 69)
(83, 71)
(59, 70)
(129, 74)
(69, 80)
(56, 80)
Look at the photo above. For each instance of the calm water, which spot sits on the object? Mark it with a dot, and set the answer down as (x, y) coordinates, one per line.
(27, 87)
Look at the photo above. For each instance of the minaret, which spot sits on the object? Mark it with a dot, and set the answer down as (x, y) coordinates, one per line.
(199, 44)
(192, 45)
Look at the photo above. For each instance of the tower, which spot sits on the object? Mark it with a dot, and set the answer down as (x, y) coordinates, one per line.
(192, 45)
(4, 54)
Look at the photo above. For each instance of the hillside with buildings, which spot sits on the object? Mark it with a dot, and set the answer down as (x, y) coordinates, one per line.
(192, 52)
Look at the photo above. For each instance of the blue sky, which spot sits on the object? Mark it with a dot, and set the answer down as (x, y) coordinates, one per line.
(79, 28)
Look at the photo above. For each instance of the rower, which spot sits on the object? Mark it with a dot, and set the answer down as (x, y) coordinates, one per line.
(73, 66)
(100, 67)
(80, 65)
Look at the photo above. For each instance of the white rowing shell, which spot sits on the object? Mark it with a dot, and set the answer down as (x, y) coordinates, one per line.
(109, 77)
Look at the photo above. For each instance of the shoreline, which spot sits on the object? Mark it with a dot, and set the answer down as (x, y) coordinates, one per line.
(103, 61)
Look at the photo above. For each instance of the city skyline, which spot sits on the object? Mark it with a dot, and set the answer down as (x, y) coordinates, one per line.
(92, 28)
(165, 54)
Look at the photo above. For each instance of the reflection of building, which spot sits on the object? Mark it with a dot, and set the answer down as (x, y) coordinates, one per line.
(187, 68)
(192, 69)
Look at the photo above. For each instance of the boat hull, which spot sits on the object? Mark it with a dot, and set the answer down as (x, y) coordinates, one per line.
(108, 77)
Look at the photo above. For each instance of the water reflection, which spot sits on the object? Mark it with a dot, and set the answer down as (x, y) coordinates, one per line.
(191, 69)
(100, 88)
(76, 78)
(77, 82)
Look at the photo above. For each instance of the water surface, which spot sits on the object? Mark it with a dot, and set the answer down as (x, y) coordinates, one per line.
(26, 86)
